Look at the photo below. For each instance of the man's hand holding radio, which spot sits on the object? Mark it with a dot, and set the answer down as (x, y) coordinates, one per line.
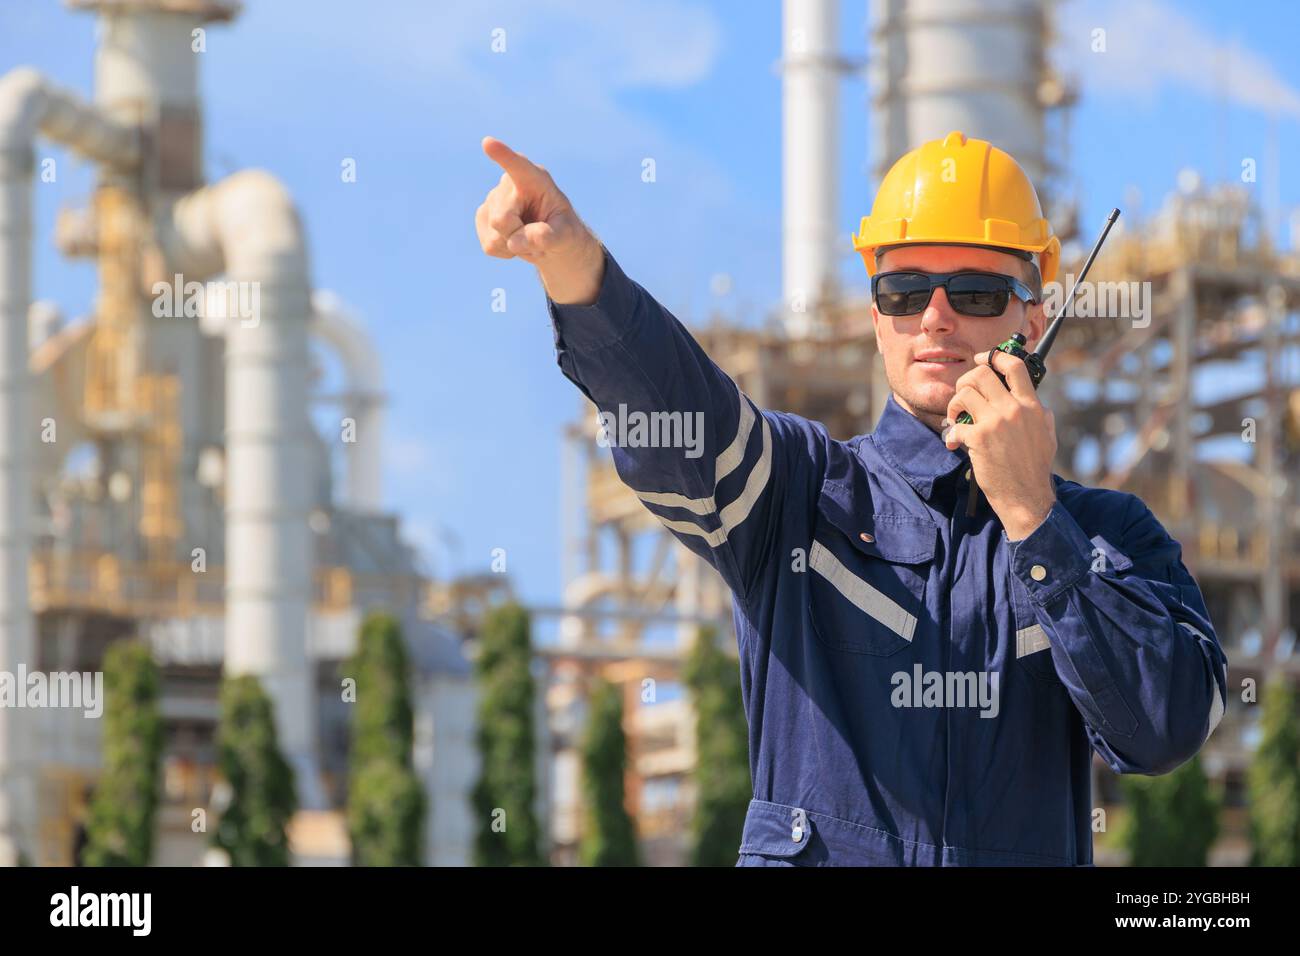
(1011, 443)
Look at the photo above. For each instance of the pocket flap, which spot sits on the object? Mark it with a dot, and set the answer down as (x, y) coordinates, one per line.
(908, 539)
(774, 829)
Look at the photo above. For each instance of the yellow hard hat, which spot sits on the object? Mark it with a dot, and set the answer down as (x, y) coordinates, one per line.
(963, 191)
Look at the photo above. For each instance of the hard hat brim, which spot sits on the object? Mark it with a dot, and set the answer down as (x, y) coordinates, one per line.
(1049, 253)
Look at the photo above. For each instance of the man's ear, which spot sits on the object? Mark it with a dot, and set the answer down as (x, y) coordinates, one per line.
(1035, 324)
(875, 325)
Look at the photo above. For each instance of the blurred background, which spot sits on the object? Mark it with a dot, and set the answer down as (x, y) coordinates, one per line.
(368, 473)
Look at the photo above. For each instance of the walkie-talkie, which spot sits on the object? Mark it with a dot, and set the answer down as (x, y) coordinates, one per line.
(1035, 362)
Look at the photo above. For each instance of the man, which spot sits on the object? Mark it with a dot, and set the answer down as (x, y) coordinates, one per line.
(922, 687)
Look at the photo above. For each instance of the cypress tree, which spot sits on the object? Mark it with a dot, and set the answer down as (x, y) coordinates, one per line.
(1273, 781)
(252, 828)
(508, 833)
(386, 808)
(722, 783)
(608, 836)
(386, 804)
(120, 830)
(1172, 819)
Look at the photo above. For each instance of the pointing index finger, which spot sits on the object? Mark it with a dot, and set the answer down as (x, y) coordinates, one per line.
(517, 167)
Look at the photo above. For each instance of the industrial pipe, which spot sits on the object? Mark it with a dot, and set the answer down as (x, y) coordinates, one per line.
(333, 323)
(810, 78)
(28, 105)
(246, 227)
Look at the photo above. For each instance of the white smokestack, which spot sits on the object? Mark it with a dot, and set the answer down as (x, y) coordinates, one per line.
(246, 230)
(810, 146)
(970, 65)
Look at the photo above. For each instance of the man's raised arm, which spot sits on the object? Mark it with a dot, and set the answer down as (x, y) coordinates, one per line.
(710, 465)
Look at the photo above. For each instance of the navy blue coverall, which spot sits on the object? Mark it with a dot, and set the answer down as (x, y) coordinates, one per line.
(868, 608)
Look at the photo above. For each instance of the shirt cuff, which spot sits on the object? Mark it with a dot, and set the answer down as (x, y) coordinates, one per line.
(1054, 557)
(605, 321)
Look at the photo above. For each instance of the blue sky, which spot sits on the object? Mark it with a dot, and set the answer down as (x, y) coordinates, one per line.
(408, 88)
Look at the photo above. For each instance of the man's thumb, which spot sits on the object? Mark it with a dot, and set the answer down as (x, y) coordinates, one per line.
(532, 240)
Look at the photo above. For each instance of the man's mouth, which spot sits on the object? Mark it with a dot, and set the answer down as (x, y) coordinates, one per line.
(938, 358)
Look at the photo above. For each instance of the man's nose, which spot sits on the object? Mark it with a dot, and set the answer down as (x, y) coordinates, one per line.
(939, 315)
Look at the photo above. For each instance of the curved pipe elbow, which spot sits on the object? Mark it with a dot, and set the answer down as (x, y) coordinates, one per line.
(246, 225)
(30, 104)
(21, 106)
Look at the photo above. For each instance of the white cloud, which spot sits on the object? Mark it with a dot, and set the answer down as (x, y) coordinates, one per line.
(1151, 45)
(556, 86)
(633, 43)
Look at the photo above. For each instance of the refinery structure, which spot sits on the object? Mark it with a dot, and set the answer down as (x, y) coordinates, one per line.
(167, 477)
(161, 476)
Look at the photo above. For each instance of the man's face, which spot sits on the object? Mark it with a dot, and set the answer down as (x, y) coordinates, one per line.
(927, 352)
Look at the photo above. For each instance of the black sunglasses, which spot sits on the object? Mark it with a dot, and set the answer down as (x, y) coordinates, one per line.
(980, 294)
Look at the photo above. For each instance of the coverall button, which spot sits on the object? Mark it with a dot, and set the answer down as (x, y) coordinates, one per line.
(866, 537)
(968, 474)
(1038, 572)
(796, 834)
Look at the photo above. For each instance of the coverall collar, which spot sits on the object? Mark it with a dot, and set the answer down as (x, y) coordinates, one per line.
(914, 450)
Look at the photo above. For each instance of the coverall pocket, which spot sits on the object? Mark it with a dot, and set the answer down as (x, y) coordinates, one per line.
(868, 596)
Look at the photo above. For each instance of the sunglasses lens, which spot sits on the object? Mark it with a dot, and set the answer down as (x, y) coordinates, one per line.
(902, 293)
(979, 295)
